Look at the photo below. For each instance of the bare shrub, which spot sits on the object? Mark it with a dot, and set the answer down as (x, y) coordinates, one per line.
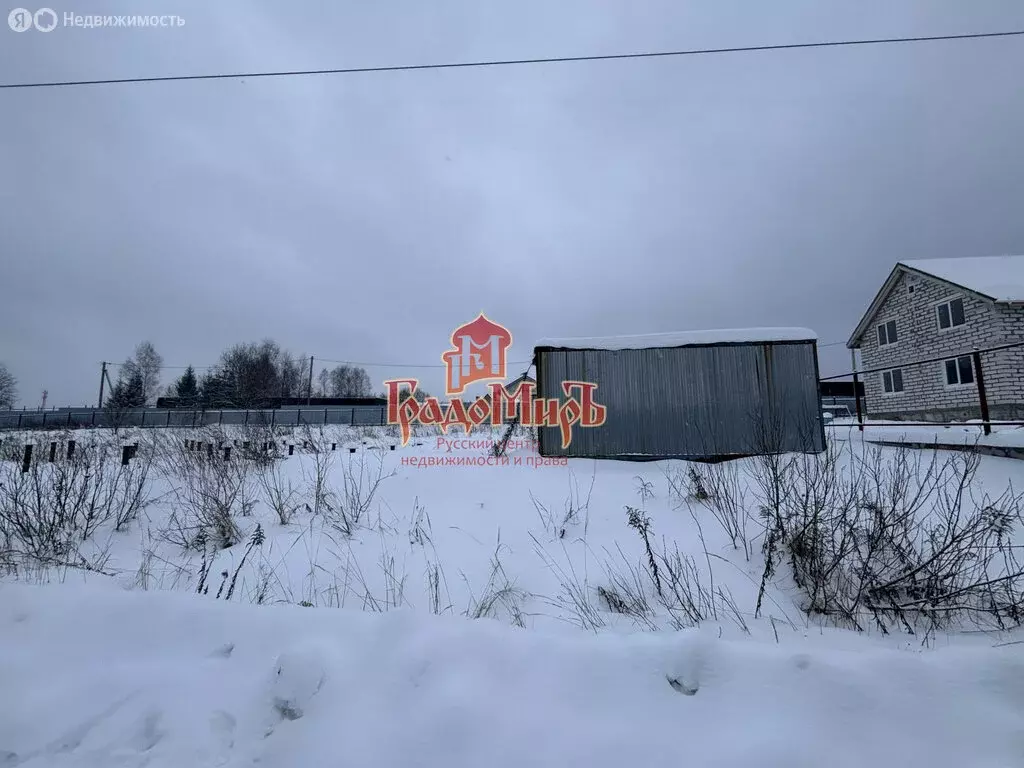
(575, 508)
(574, 594)
(419, 534)
(895, 540)
(500, 593)
(345, 507)
(687, 599)
(278, 491)
(687, 594)
(49, 512)
(209, 491)
(317, 469)
(259, 444)
(723, 490)
(625, 594)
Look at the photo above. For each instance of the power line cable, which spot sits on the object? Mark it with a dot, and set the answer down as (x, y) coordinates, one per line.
(519, 62)
(364, 364)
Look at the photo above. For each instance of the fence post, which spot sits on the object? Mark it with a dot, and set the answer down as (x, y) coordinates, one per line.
(273, 415)
(325, 415)
(352, 421)
(143, 422)
(94, 419)
(856, 391)
(19, 418)
(220, 418)
(44, 420)
(168, 417)
(69, 419)
(247, 417)
(979, 378)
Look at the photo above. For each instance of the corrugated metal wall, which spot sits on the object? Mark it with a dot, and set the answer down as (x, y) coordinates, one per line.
(690, 402)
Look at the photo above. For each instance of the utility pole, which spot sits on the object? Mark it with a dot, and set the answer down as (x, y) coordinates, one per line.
(103, 377)
(309, 385)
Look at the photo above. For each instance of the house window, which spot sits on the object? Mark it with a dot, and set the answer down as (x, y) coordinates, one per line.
(950, 314)
(959, 371)
(887, 333)
(910, 288)
(892, 381)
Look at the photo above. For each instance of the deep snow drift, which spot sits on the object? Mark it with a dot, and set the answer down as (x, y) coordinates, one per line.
(97, 677)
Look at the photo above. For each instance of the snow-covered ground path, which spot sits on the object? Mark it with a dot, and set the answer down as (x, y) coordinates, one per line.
(97, 677)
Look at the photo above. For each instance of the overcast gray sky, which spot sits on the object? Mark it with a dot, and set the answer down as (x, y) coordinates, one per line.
(362, 217)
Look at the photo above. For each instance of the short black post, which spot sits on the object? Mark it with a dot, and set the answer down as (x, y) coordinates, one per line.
(979, 377)
(392, 447)
(227, 453)
(291, 450)
(26, 461)
(71, 449)
(126, 454)
(351, 450)
(53, 452)
(334, 446)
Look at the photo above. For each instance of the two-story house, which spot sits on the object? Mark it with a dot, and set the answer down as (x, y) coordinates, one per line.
(944, 309)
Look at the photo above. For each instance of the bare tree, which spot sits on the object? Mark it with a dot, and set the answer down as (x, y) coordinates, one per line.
(346, 381)
(146, 362)
(8, 387)
(250, 374)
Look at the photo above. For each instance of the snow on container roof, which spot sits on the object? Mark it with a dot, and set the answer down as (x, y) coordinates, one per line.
(682, 339)
(1001, 278)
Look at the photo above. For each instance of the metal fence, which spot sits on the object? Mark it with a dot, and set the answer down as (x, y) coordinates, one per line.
(89, 418)
(968, 366)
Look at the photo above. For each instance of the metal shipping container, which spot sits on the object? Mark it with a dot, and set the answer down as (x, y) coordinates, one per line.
(700, 396)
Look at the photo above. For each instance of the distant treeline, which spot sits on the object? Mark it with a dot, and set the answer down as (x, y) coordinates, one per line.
(251, 375)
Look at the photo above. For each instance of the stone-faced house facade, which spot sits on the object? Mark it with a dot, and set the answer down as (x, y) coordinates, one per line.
(946, 309)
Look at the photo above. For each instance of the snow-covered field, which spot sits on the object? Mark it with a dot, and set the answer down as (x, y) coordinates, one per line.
(434, 606)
